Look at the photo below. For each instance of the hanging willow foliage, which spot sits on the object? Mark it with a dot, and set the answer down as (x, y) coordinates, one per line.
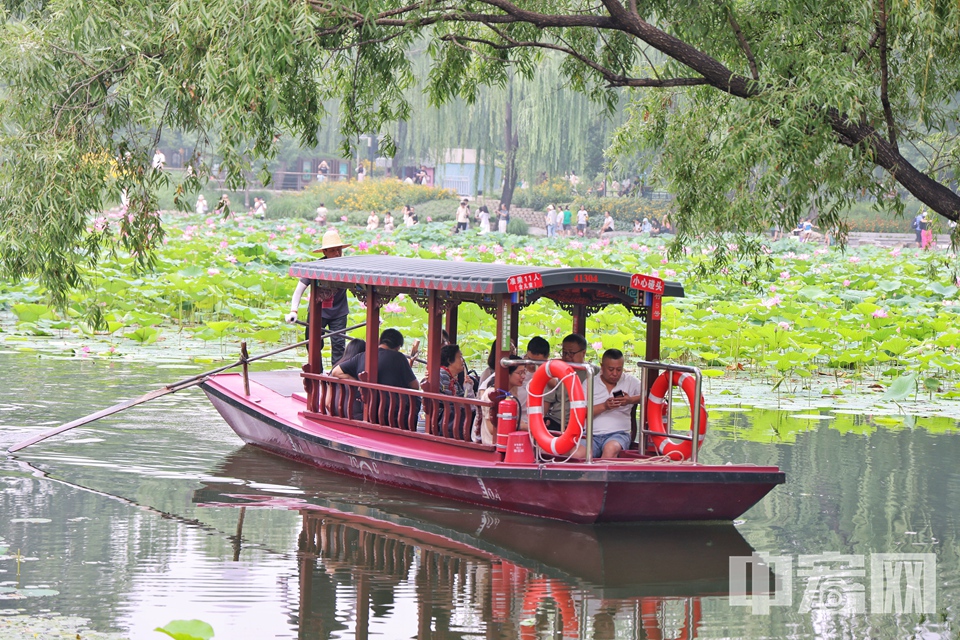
(559, 130)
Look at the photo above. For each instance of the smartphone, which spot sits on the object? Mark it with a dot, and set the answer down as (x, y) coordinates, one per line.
(618, 394)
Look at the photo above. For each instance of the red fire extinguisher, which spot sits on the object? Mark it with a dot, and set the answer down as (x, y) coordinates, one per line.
(508, 413)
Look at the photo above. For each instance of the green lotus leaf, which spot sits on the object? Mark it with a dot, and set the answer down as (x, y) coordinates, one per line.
(31, 312)
(143, 335)
(895, 345)
(901, 388)
(944, 291)
(192, 271)
(889, 285)
(812, 293)
(220, 326)
(187, 630)
(268, 335)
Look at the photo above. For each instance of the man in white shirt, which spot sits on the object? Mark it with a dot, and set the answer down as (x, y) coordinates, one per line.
(159, 160)
(582, 221)
(614, 394)
(551, 220)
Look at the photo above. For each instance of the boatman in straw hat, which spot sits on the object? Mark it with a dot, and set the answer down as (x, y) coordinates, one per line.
(334, 312)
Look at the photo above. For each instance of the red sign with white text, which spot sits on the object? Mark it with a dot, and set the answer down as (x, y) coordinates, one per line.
(524, 282)
(646, 283)
(655, 309)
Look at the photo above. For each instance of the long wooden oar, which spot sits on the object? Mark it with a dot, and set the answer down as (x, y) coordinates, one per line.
(162, 391)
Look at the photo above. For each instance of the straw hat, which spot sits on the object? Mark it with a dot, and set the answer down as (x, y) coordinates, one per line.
(331, 240)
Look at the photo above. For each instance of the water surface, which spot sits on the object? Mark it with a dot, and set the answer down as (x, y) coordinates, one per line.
(159, 513)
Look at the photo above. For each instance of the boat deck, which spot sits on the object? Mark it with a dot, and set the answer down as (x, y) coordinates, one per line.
(284, 382)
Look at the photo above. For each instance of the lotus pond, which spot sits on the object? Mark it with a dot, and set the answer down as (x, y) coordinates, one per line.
(841, 326)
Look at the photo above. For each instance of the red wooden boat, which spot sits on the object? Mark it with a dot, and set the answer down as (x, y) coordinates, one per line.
(306, 415)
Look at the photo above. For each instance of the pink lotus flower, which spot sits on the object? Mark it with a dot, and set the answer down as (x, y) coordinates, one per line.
(213, 272)
(362, 245)
(854, 259)
(664, 261)
(597, 346)
(310, 231)
(846, 283)
(231, 259)
(784, 326)
(343, 218)
(429, 219)
(784, 275)
(393, 307)
(669, 273)
(773, 288)
(100, 224)
(725, 271)
(273, 236)
(482, 248)
(224, 244)
(895, 252)
(771, 302)
(879, 313)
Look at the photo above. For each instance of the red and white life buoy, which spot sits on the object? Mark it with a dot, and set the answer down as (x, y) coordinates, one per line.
(564, 444)
(673, 448)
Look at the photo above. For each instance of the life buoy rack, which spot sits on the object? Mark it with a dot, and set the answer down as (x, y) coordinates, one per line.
(673, 448)
(564, 444)
(539, 590)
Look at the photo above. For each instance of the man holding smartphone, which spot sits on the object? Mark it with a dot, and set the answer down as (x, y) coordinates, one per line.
(614, 394)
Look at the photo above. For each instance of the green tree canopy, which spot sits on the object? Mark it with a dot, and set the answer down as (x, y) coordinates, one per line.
(758, 110)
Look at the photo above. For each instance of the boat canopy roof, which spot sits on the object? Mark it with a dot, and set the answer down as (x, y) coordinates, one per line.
(480, 282)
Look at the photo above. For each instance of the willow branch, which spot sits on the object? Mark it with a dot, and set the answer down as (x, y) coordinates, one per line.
(612, 78)
(884, 75)
(744, 45)
(870, 44)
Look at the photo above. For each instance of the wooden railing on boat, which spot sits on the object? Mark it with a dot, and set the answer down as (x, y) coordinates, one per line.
(363, 403)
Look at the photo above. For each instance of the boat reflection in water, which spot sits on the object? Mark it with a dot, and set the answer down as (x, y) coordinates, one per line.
(477, 572)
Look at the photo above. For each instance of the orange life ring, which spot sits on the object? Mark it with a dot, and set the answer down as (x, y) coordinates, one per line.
(539, 590)
(673, 448)
(565, 443)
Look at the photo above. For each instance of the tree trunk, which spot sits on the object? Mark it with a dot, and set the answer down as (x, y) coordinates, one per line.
(399, 156)
(511, 140)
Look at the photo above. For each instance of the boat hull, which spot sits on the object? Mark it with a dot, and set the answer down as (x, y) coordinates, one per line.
(600, 492)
